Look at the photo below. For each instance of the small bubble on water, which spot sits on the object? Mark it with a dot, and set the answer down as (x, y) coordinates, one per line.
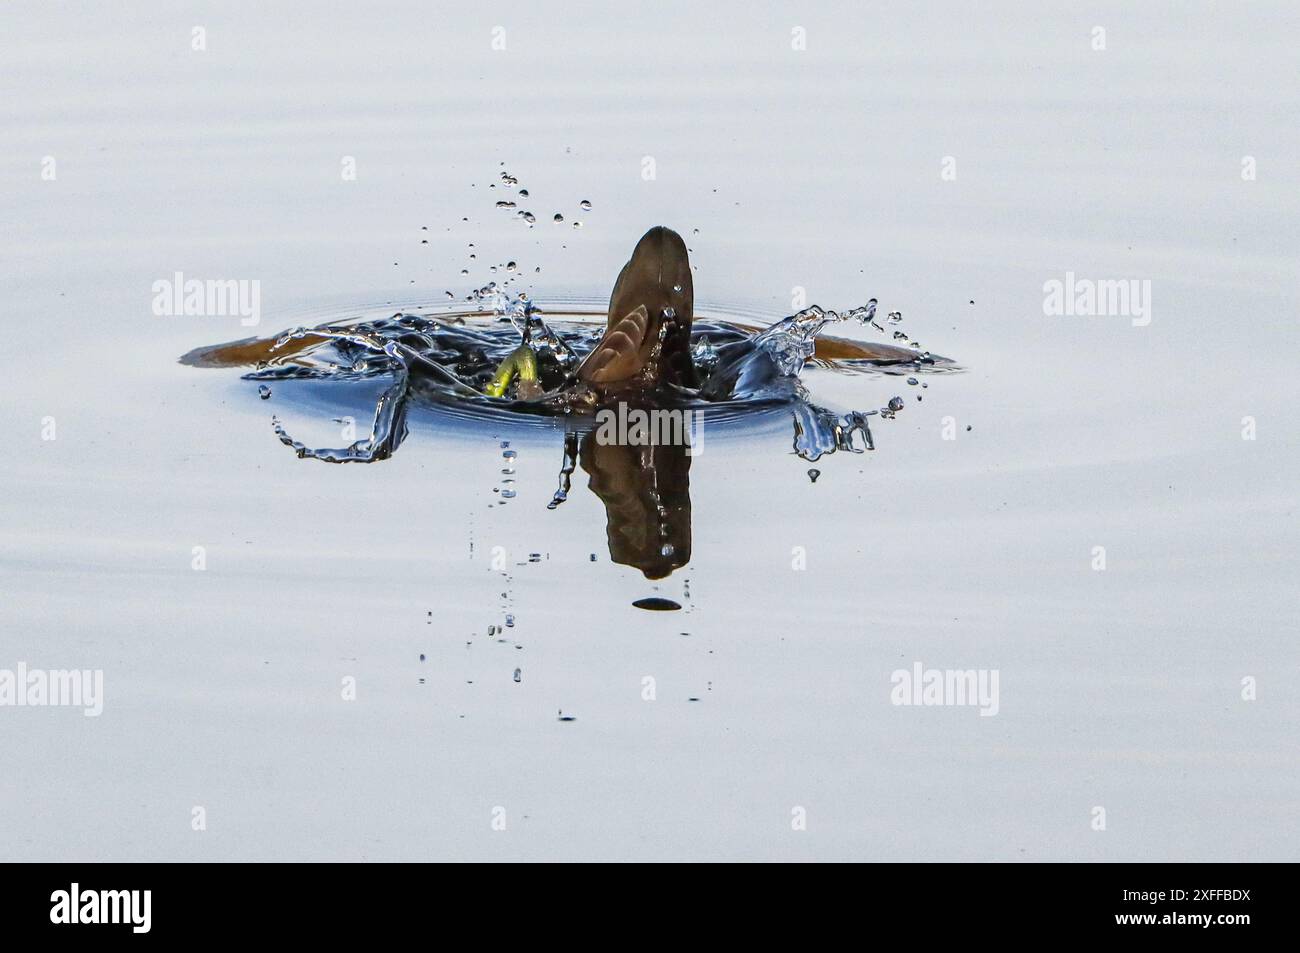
(561, 716)
(577, 224)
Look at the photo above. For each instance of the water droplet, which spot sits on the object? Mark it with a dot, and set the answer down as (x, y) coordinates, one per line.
(813, 474)
(577, 224)
(264, 392)
(505, 205)
(519, 675)
(523, 193)
(656, 604)
(895, 404)
(913, 381)
(585, 205)
(529, 217)
(511, 266)
(507, 494)
(558, 217)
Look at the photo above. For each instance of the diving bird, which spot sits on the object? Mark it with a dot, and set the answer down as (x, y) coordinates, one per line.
(647, 338)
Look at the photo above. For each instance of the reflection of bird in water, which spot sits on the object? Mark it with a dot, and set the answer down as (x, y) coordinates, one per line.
(647, 495)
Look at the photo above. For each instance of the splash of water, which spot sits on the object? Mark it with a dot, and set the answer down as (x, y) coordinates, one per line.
(441, 357)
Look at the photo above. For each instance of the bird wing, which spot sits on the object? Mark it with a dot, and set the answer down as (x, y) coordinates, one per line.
(618, 354)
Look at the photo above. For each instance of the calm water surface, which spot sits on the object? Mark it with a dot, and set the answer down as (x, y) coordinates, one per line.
(817, 170)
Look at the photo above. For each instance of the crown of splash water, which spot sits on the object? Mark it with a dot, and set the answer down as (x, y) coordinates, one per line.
(793, 340)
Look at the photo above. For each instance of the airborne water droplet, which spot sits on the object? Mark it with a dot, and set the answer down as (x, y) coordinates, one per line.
(264, 392)
(585, 205)
(558, 217)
